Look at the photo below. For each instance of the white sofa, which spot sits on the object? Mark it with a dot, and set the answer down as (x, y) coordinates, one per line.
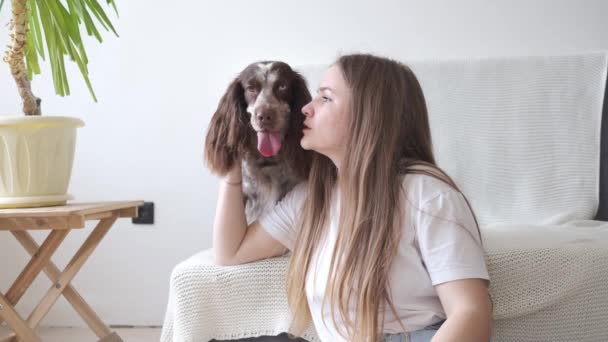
(522, 138)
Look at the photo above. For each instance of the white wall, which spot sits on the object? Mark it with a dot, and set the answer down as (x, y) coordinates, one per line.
(159, 83)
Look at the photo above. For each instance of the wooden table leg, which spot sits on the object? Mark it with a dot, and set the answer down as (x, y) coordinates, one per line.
(113, 337)
(75, 264)
(18, 325)
(72, 296)
(38, 261)
(70, 271)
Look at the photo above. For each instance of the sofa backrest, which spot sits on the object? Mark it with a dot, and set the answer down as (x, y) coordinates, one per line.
(519, 135)
(602, 211)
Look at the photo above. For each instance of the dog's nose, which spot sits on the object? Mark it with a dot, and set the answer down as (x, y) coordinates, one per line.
(264, 117)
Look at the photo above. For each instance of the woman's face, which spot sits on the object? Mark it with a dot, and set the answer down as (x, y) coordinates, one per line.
(326, 117)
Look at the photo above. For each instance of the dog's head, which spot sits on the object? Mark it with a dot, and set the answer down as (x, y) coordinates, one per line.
(261, 112)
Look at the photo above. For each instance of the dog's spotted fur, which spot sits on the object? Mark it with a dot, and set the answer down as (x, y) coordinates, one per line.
(265, 96)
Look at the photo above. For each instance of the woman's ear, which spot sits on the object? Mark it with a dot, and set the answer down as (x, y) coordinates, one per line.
(227, 131)
(300, 159)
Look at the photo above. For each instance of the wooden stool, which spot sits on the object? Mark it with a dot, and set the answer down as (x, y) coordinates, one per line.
(59, 220)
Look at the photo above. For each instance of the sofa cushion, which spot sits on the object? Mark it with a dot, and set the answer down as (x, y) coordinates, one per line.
(549, 283)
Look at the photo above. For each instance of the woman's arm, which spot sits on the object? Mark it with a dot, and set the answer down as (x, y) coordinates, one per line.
(469, 311)
(233, 241)
(230, 223)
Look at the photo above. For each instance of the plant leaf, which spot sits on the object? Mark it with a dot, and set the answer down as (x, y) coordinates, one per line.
(56, 25)
(84, 71)
(100, 14)
(90, 25)
(34, 21)
(113, 6)
(31, 56)
(45, 18)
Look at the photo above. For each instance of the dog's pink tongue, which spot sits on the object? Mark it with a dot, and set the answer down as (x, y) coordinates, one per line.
(269, 143)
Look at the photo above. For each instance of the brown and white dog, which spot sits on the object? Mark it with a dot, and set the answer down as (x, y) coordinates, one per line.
(259, 121)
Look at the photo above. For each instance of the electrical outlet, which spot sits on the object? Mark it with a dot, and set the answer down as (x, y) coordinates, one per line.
(145, 214)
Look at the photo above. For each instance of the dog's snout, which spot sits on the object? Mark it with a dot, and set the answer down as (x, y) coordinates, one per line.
(264, 117)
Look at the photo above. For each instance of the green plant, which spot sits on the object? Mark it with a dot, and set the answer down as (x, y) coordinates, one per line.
(56, 25)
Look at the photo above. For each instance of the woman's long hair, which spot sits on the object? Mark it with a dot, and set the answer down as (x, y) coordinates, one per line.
(388, 136)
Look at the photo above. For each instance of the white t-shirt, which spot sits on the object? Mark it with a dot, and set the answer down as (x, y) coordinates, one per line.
(439, 243)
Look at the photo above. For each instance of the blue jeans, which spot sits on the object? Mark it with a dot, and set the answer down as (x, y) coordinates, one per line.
(422, 335)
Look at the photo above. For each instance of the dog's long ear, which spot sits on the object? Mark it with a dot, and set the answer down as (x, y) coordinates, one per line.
(227, 131)
(299, 158)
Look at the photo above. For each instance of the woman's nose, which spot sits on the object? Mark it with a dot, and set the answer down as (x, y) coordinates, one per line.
(307, 109)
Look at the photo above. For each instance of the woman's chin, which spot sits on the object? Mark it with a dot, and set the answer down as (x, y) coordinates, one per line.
(304, 144)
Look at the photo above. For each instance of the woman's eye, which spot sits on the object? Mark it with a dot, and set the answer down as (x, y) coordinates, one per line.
(325, 99)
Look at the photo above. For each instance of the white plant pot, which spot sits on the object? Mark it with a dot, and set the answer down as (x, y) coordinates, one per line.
(36, 157)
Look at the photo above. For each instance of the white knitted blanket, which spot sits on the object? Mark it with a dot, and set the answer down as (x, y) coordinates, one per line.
(557, 291)
(521, 138)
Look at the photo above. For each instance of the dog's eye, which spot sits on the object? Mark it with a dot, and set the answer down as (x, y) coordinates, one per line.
(282, 87)
(251, 89)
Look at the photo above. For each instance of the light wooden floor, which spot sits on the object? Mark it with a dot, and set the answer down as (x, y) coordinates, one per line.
(85, 335)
